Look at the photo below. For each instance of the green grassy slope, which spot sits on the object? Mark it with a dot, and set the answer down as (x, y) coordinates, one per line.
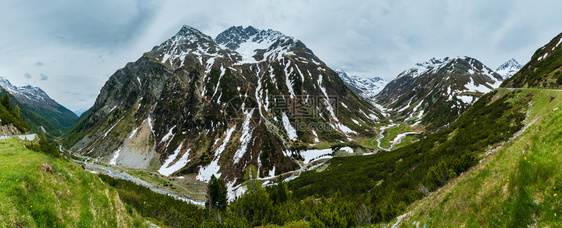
(517, 186)
(37, 190)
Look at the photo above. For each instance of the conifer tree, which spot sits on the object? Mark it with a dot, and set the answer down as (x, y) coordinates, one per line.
(6, 102)
(216, 193)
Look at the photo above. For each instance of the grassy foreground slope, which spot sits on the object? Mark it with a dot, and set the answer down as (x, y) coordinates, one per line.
(515, 186)
(37, 190)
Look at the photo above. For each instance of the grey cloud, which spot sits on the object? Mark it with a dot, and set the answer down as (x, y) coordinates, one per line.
(44, 77)
(39, 64)
(93, 24)
(365, 38)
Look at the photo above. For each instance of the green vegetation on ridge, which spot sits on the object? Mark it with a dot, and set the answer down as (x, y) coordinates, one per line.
(10, 114)
(543, 71)
(391, 181)
(517, 186)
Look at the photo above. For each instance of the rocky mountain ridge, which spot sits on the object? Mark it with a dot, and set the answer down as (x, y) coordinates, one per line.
(435, 92)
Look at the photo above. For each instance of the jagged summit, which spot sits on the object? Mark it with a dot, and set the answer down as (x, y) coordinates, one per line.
(28, 92)
(256, 45)
(509, 68)
(235, 36)
(192, 34)
(37, 100)
(236, 44)
(422, 67)
(187, 41)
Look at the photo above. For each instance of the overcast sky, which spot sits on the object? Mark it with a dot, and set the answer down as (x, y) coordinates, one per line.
(69, 48)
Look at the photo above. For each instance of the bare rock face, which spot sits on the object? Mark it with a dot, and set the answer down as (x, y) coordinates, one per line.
(216, 106)
(9, 129)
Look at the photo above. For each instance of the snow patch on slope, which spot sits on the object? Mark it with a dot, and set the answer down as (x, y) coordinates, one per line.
(290, 130)
(245, 138)
(472, 87)
(311, 155)
(168, 168)
(213, 168)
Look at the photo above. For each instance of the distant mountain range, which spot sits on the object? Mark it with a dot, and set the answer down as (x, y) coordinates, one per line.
(365, 87)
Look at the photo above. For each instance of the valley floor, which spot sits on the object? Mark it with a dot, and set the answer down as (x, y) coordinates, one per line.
(184, 189)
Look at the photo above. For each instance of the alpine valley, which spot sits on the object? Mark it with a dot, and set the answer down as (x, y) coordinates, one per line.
(252, 129)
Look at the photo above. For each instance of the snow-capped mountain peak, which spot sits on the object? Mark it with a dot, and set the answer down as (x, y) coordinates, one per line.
(36, 100)
(509, 68)
(191, 34)
(29, 92)
(4, 83)
(447, 64)
(187, 41)
(450, 84)
(365, 87)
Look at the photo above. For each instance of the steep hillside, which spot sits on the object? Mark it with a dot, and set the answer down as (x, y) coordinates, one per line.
(365, 87)
(514, 185)
(543, 71)
(386, 183)
(40, 191)
(434, 93)
(201, 106)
